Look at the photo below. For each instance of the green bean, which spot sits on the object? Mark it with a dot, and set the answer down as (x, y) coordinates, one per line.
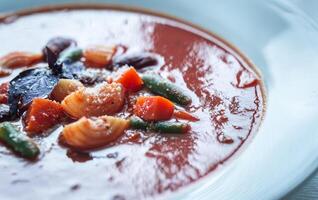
(161, 127)
(70, 54)
(18, 141)
(165, 88)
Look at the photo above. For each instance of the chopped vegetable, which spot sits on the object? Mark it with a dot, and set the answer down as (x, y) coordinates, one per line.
(131, 80)
(65, 87)
(29, 84)
(4, 88)
(138, 60)
(161, 127)
(103, 99)
(70, 54)
(69, 70)
(57, 45)
(88, 133)
(153, 108)
(180, 114)
(165, 88)
(20, 59)
(42, 115)
(99, 55)
(171, 127)
(39, 82)
(137, 123)
(18, 141)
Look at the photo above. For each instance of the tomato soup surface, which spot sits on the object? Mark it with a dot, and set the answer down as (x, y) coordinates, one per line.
(226, 93)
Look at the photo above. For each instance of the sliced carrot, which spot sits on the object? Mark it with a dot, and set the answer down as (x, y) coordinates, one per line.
(4, 87)
(153, 108)
(131, 80)
(180, 114)
(42, 115)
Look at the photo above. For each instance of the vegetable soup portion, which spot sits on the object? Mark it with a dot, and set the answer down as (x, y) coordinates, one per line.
(117, 104)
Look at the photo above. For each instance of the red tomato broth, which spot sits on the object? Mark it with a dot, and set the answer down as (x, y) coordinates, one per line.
(227, 97)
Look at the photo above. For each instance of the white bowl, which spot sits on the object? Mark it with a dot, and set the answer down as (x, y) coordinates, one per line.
(282, 40)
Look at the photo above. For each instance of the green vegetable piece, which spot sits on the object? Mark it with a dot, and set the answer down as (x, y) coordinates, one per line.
(170, 127)
(137, 123)
(161, 127)
(19, 142)
(70, 54)
(165, 88)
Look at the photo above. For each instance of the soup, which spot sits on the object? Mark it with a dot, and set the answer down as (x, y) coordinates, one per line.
(186, 102)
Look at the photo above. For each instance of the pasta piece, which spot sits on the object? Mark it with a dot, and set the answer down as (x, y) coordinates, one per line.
(5, 72)
(103, 99)
(20, 59)
(88, 133)
(65, 87)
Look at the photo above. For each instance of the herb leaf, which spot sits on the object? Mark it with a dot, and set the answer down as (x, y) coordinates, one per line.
(51, 59)
(29, 84)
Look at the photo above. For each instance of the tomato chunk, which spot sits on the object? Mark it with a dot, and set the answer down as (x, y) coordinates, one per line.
(153, 108)
(4, 88)
(131, 80)
(42, 115)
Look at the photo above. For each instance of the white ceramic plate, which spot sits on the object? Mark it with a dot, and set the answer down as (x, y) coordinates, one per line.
(282, 40)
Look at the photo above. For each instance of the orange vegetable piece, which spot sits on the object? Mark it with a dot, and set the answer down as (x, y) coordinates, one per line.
(153, 108)
(99, 55)
(180, 114)
(131, 80)
(4, 88)
(42, 115)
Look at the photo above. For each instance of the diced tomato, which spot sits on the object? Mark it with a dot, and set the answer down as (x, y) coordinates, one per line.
(4, 88)
(153, 108)
(131, 80)
(42, 115)
(180, 114)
